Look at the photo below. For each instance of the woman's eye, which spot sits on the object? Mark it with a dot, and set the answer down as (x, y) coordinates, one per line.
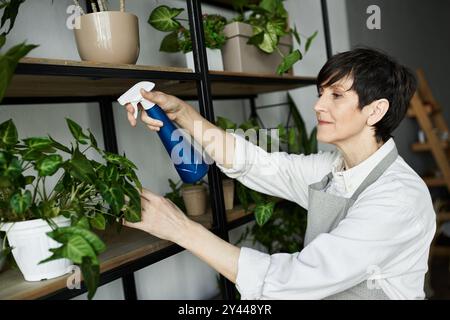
(336, 95)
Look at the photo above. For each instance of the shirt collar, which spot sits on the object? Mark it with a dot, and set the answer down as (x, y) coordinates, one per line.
(353, 177)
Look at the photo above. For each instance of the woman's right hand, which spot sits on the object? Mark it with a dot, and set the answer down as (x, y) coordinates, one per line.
(175, 108)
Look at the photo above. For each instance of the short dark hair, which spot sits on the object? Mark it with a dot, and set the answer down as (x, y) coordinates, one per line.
(375, 76)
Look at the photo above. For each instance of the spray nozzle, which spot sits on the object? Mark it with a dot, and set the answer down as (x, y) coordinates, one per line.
(134, 96)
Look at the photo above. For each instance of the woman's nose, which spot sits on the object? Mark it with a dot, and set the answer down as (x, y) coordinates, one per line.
(320, 105)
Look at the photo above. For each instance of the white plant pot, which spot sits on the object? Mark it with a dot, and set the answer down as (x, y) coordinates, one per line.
(214, 57)
(30, 245)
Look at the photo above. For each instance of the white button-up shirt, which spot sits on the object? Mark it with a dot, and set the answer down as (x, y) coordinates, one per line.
(384, 239)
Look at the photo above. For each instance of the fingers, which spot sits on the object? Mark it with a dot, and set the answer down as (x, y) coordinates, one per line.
(148, 195)
(151, 123)
(134, 225)
(155, 96)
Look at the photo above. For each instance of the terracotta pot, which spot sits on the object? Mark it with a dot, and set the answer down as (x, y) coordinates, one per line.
(194, 199)
(228, 193)
(108, 36)
(238, 56)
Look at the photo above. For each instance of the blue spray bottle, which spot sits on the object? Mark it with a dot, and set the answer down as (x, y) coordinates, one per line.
(187, 160)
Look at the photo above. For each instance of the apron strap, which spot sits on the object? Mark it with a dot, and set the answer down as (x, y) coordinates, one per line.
(376, 172)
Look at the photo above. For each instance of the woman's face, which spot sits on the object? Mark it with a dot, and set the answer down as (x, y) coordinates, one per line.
(339, 117)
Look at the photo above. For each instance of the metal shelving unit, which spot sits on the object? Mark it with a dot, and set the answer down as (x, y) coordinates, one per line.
(60, 81)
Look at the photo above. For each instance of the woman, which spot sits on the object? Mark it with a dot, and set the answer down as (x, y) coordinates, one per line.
(370, 216)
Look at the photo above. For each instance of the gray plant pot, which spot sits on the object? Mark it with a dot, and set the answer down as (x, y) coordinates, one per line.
(238, 56)
(2, 256)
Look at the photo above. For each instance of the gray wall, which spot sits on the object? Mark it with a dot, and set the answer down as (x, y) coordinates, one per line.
(415, 32)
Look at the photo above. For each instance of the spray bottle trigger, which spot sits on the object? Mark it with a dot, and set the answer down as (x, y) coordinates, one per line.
(136, 109)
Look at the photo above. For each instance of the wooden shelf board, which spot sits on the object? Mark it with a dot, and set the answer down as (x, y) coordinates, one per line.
(88, 79)
(94, 64)
(419, 147)
(129, 245)
(434, 181)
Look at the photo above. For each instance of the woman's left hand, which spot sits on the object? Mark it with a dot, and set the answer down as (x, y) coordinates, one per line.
(160, 217)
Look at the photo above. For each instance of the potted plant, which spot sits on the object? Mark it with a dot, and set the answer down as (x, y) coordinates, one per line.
(107, 36)
(228, 193)
(261, 40)
(50, 229)
(164, 18)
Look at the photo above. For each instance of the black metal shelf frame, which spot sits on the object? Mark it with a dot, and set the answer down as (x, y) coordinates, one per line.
(203, 80)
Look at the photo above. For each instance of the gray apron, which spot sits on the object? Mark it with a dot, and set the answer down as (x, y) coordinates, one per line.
(325, 211)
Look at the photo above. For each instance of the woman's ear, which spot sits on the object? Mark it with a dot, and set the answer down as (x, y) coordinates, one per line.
(377, 109)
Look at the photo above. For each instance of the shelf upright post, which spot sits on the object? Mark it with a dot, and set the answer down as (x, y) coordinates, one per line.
(207, 111)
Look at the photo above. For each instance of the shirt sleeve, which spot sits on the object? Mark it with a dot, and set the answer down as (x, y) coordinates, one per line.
(277, 173)
(375, 237)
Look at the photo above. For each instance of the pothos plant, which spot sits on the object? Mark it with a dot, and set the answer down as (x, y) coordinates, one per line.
(91, 194)
(269, 21)
(280, 225)
(164, 18)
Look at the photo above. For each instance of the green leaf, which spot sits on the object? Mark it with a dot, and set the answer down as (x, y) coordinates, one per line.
(8, 64)
(300, 125)
(11, 9)
(282, 135)
(65, 234)
(20, 202)
(268, 5)
(270, 39)
(14, 169)
(313, 141)
(242, 195)
(132, 175)
(59, 146)
(132, 214)
(5, 182)
(77, 131)
(118, 159)
(75, 249)
(296, 35)
(289, 61)
(49, 165)
(113, 195)
(81, 168)
(98, 221)
(309, 41)
(93, 140)
(263, 212)
(225, 123)
(32, 155)
(8, 132)
(162, 18)
(256, 39)
(256, 196)
(38, 143)
(91, 275)
(170, 43)
(111, 173)
(2, 40)
(83, 223)
(29, 179)
(238, 5)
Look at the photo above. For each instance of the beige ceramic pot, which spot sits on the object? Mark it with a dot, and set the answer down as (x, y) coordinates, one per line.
(238, 56)
(108, 36)
(194, 198)
(228, 193)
